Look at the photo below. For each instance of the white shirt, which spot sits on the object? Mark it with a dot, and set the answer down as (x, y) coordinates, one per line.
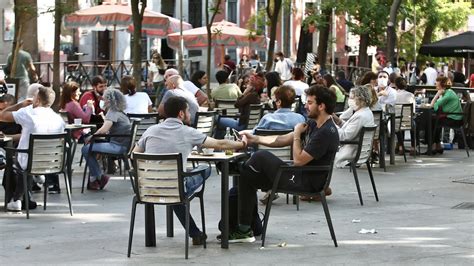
(189, 86)
(137, 103)
(284, 68)
(404, 97)
(431, 75)
(299, 87)
(157, 77)
(390, 99)
(35, 120)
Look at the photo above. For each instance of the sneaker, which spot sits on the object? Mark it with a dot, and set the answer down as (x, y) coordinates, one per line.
(103, 181)
(40, 179)
(14, 205)
(95, 185)
(54, 189)
(264, 199)
(241, 237)
(35, 188)
(199, 239)
(31, 205)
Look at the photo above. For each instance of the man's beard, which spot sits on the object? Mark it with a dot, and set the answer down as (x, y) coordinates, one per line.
(314, 115)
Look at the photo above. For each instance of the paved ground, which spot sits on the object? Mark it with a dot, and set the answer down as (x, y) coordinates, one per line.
(415, 223)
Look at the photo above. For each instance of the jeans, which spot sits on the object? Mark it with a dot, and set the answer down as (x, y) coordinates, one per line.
(226, 122)
(191, 184)
(100, 147)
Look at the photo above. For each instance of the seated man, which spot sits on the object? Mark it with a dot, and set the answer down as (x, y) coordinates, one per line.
(314, 143)
(225, 90)
(39, 119)
(173, 136)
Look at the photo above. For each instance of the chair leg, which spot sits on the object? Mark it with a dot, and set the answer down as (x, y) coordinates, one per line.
(404, 154)
(186, 235)
(372, 181)
(27, 195)
(328, 216)
(80, 160)
(267, 216)
(84, 177)
(297, 202)
(132, 224)
(464, 139)
(45, 197)
(68, 191)
(203, 218)
(356, 179)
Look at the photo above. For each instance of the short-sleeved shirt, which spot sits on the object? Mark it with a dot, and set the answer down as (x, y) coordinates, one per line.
(190, 98)
(171, 136)
(35, 120)
(281, 119)
(226, 91)
(121, 125)
(23, 60)
(137, 103)
(157, 76)
(189, 86)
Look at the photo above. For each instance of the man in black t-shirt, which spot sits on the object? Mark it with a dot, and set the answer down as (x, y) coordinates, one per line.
(314, 143)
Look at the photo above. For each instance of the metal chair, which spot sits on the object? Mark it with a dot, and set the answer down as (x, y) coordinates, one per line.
(256, 112)
(320, 193)
(205, 122)
(404, 122)
(144, 122)
(46, 155)
(460, 128)
(363, 155)
(379, 136)
(227, 107)
(159, 179)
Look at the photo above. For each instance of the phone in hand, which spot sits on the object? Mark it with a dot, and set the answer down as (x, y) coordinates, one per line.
(236, 134)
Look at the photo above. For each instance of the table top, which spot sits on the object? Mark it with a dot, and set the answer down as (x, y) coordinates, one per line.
(81, 126)
(216, 156)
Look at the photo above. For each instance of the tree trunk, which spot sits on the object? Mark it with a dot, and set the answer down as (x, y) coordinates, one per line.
(214, 9)
(391, 31)
(137, 17)
(324, 38)
(58, 14)
(363, 57)
(273, 10)
(428, 33)
(305, 46)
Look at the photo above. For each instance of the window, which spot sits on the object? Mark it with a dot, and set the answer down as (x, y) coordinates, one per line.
(195, 13)
(232, 11)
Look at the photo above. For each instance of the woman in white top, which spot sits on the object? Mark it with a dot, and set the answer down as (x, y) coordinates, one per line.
(156, 72)
(198, 79)
(351, 123)
(297, 83)
(137, 102)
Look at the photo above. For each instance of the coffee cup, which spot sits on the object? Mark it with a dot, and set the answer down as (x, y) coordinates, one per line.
(77, 121)
(207, 150)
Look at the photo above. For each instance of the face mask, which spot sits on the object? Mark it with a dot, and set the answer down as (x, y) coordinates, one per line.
(102, 104)
(352, 104)
(382, 82)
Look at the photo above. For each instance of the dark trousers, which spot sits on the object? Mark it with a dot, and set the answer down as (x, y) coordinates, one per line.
(443, 122)
(401, 137)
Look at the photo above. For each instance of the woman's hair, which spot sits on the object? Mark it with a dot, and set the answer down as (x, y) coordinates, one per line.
(297, 73)
(116, 100)
(329, 80)
(367, 77)
(443, 81)
(362, 94)
(66, 94)
(156, 57)
(196, 77)
(257, 81)
(128, 85)
(273, 80)
(401, 83)
(286, 94)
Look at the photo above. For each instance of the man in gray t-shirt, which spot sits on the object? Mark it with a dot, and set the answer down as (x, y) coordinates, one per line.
(24, 66)
(173, 136)
(175, 87)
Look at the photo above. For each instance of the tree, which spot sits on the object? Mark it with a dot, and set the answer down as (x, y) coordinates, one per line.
(273, 10)
(138, 8)
(214, 9)
(392, 25)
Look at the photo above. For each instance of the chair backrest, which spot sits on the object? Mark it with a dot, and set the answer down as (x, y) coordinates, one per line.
(158, 178)
(133, 136)
(144, 122)
(46, 154)
(366, 137)
(403, 116)
(284, 153)
(228, 105)
(295, 106)
(378, 122)
(205, 122)
(254, 115)
(65, 116)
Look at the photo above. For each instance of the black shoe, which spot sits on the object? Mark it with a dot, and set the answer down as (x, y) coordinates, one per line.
(440, 151)
(54, 189)
(199, 239)
(31, 205)
(35, 188)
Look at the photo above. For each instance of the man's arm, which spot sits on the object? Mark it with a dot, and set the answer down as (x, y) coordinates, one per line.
(300, 157)
(138, 149)
(6, 115)
(223, 144)
(270, 141)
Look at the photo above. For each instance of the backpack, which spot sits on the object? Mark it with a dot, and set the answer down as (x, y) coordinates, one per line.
(256, 225)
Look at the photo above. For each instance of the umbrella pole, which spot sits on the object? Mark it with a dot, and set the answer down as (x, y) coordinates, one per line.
(114, 38)
(222, 54)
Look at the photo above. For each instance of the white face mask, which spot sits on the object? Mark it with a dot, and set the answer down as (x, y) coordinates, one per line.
(352, 104)
(382, 82)
(102, 104)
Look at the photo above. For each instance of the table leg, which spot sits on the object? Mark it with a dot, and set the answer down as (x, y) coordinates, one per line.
(169, 221)
(8, 175)
(225, 204)
(150, 234)
(382, 144)
(429, 137)
(392, 138)
(69, 162)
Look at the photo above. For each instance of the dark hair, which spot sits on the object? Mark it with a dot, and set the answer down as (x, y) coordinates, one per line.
(382, 71)
(401, 83)
(367, 77)
(392, 77)
(222, 76)
(97, 80)
(257, 81)
(66, 94)
(174, 105)
(459, 77)
(443, 81)
(279, 54)
(298, 73)
(286, 94)
(341, 75)
(273, 80)
(323, 95)
(227, 57)
(329, 80)
(128, 85)
(8, 98)
(431, 64)
(196, 76)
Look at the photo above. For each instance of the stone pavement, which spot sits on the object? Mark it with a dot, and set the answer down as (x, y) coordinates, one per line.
(415, 223)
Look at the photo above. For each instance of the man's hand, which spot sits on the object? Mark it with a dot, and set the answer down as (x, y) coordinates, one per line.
(249, 138)
(300, 128)
(26, 102)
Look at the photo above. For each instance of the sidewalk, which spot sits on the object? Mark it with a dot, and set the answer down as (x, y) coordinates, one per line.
(415, 223)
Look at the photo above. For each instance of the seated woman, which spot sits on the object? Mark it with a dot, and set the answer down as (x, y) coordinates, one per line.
(69, 102)
(404, 97)
(115, 122)
(198, 79)
(331, 83)
(359, 102)
(447, 101)
(137, 102)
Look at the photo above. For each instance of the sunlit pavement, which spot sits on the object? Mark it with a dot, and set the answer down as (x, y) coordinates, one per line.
(415, 223)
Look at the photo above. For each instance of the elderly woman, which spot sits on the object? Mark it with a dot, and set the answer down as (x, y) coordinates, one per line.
(352, 121)
(115, 122)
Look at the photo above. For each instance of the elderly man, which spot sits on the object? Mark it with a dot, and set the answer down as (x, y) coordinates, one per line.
(38, 119)
(173, 136)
